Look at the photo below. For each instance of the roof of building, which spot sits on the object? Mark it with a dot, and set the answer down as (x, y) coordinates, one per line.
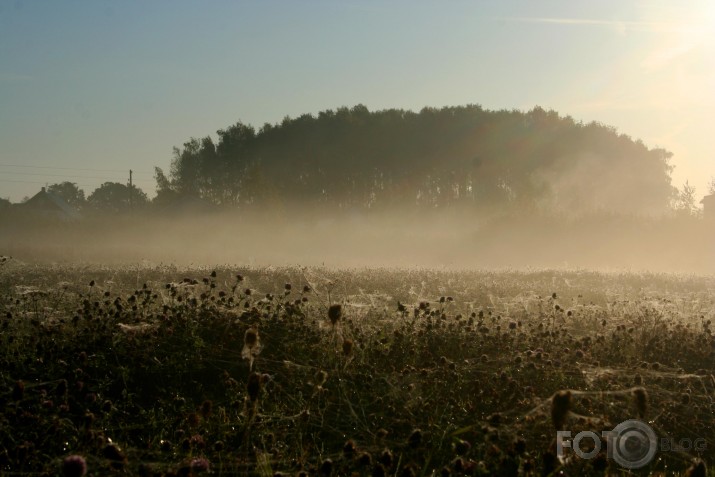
(49, 201)
(709, 199)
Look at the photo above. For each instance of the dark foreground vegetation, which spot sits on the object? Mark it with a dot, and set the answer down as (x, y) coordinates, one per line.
(167, 371)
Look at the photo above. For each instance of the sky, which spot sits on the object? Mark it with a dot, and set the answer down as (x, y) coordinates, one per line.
(91, 89)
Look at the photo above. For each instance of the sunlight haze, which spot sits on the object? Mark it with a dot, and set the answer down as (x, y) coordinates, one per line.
(357, 237)
(92, 89)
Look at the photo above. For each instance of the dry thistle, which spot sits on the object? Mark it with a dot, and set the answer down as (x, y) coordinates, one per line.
(386, 458)
(698, 469)
(347, 347)
(335, 312)
(199, 465)
(206, 408)
(251, 346)
(114, 454)
(560, 408)
(254, 386)
(415, 439)
(326, 468)
(192, 419)
(461, 447)
(74, 466)
(349, 448)
(641, 400)
(364, 459)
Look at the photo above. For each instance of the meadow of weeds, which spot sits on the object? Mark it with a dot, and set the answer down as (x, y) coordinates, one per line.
(297, 371)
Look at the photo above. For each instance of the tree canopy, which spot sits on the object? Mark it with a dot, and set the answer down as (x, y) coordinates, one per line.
(69, 191)
(465, 156)
(117, 197)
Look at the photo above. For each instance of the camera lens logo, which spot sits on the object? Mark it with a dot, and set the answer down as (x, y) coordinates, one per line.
(632, 445)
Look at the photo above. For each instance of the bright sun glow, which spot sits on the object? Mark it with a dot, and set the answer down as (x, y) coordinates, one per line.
(710, 16)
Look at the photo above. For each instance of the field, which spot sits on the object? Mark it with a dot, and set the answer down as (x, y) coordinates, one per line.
(281, 371)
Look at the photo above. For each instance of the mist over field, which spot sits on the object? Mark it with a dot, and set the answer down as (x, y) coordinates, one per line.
(456, 239)
(389, 239)
(454, 187)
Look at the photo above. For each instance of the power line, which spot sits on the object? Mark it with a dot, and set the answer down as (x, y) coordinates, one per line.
(146, 181)
(45, 174)
(38, 182)
(72, 168)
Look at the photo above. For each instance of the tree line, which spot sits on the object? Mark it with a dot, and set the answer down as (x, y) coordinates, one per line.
(452, 157)
(464, 157)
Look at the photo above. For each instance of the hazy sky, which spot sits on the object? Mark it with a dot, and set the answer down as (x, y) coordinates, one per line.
(93, 88)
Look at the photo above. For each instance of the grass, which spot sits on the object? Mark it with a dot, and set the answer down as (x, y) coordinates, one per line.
(168, 371)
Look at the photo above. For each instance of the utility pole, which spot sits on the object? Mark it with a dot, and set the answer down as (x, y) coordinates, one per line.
(131, 204)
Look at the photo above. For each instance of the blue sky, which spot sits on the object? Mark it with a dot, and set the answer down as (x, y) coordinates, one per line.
(88, 88)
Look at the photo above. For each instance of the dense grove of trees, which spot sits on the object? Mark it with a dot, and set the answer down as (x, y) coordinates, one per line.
(451, 157)
(458, 158)
(117, 197)
(109, 197)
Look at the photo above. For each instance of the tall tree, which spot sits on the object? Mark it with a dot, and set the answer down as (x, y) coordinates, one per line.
(117, 197)
(685, 203)
(165, 191)
(69, 191)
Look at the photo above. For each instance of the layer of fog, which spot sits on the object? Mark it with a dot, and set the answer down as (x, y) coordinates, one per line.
(425, 240)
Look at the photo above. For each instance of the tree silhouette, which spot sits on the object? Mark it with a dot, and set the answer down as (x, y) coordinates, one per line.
(69, 191)
(462, 157)
(685, 203)
(116, 197)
